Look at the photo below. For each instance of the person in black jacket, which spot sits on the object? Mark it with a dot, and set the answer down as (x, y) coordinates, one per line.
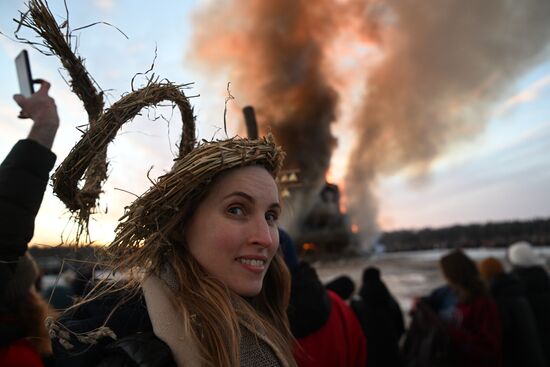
(23, 179)
(530, 271)
(520, 341)
(381, 319)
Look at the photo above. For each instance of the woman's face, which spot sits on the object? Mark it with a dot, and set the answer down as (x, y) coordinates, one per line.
(233, 233)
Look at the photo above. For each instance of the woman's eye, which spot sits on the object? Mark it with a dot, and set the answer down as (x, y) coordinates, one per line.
(271, 217)
(236, 210)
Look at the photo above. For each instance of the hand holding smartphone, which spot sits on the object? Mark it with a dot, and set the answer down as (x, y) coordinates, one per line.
(39, 106)
(24, 74)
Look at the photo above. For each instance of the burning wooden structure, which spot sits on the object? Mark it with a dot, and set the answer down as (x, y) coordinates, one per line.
(326, 229)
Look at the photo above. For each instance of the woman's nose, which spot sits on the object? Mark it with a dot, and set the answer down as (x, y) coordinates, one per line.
(263, 233)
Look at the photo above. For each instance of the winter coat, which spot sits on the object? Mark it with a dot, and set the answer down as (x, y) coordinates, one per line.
(20, 353)
(326, 330)
(129, 323)
(135, 344)
(24, 176)
(310, 305)
(382, 322)
(520, 341)
(426, 342)
(536, 283)
(475, 334)
(443, 301)
(339, 342)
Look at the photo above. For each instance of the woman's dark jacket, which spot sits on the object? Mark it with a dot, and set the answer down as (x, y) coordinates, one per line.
(136, 345)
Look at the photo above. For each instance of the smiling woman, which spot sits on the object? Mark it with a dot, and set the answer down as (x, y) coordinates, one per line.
(211, 287)
(233, 233)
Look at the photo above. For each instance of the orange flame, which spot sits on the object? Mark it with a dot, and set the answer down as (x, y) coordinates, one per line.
(343, 199)
(309, 246)
(329, 177)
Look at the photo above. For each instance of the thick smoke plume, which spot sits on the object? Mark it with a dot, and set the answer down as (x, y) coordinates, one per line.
(275, 52)
(444, 65)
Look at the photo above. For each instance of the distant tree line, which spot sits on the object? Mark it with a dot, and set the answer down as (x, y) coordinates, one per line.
(51, 258)
(500, 234)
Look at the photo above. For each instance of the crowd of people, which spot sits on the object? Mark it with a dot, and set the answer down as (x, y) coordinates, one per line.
(219, 284)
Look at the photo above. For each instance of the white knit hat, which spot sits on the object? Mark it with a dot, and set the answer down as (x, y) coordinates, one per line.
(522, 254)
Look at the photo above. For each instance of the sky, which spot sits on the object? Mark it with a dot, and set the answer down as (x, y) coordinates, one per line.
(500, 172)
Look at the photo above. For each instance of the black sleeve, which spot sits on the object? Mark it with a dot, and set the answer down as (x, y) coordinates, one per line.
(124, 313)
(138, 350)
(310, 305)
(24, 175)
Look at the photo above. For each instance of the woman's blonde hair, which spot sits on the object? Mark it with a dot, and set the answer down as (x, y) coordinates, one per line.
(216, 313)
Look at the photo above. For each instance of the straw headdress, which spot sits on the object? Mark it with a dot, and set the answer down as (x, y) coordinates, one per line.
(141, 237)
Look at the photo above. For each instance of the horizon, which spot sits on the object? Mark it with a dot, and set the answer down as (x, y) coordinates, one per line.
(74, 246)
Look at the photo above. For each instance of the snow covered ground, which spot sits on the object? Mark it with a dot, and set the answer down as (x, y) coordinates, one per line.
(407, 274)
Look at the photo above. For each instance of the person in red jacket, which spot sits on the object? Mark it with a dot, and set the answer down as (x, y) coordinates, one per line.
(339, 342)
(327, 331)
(475, 330)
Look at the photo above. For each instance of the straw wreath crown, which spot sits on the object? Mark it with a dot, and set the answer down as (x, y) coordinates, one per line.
(144, 226)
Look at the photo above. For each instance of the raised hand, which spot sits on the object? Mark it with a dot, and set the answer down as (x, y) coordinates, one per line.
(40, 108)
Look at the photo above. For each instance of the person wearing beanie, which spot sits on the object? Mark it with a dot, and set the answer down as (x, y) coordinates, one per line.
(520, 341)
(529, 269)
(489, 268)
(522, 254)
(342, 286)
(381, 320)
(24, 175)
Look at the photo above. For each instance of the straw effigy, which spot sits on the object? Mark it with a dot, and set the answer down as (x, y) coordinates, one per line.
(87, 161)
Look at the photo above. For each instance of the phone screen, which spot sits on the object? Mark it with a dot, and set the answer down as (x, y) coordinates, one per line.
(24, 73)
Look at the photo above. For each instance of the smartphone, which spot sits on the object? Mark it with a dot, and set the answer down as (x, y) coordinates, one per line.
(24, 73)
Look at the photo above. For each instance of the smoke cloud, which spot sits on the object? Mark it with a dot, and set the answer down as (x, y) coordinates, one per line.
(274, 51)
(444, 64)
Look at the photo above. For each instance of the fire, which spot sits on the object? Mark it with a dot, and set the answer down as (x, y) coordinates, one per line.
(308, 246)
(354, 228)
(329, 177)
(343, 199)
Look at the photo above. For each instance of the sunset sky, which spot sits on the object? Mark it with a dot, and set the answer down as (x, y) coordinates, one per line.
(500, 171)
